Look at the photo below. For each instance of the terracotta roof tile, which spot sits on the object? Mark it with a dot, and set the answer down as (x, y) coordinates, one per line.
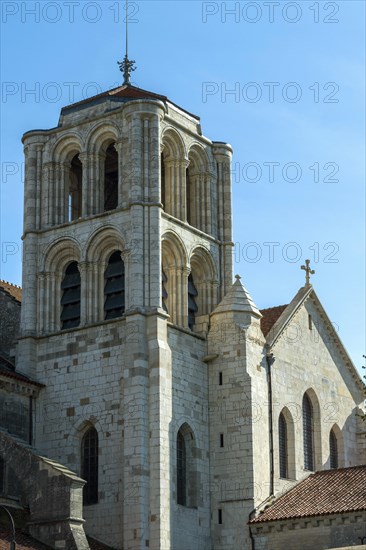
(322, 493)
(126, 92)
(270, 316)
(14, 290)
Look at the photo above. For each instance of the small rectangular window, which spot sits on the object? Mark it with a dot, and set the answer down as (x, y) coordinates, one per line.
(221, 440)
(220, 516)
(220, 378)
(310, 323)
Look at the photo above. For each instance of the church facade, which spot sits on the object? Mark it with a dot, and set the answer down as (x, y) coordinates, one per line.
(160, 383)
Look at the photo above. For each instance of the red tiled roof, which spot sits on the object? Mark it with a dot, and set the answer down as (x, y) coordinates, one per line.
(270, 316)
(14, 290)
(126, 92)
(322, 493)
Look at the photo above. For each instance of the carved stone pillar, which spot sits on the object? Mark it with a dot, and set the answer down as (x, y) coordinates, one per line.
(120, 147)
(85, 187)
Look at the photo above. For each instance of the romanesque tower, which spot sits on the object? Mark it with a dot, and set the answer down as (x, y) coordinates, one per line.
(127, 251)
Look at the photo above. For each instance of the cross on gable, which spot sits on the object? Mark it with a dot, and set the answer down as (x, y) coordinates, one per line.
(308, 272)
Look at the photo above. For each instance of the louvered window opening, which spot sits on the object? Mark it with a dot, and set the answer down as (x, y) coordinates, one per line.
(114, 289)
(333, 450)
(307, 418)
(282, 436)
(90, 466)
(192, 306)
(164, 292)
(111, 179)
(70, 301)
(181, 470)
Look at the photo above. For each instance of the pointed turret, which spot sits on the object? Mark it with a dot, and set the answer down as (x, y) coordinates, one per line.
(238, 300)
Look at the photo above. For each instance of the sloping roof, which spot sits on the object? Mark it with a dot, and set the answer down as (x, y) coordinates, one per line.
(126, 92)
(14, 290)
(270, 316)
(7, 368)
(237, 299)
(323, 493)
(23, 541)
(26, 542)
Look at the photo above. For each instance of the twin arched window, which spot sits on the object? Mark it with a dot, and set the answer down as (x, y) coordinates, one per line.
(89, 466)
(98, 200)
(114, 292)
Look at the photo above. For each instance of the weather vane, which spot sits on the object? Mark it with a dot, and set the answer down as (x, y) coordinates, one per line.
(127, 66)
(308, 272)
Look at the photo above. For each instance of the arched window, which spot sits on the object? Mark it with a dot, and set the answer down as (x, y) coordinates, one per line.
(111, 179)
(89, 468)
(164, 292)
(114, 288)
(75, 189)
(192, 306)
(70, 301)
(333, 450)
(181, 470)
(307, 420)
(282, 445)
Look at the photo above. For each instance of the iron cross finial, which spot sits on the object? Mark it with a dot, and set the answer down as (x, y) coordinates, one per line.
(308, 272)
(127, 66)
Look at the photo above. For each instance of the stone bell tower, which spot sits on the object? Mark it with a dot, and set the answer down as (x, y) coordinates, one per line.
(127, 251)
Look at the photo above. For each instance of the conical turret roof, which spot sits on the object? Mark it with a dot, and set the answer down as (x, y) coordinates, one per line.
(238, 299)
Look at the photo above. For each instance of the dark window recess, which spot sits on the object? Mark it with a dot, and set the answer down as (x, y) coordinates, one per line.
(282, 436)
(2, 476)
(90, 466)
(181, 470)
(70, 301)
(219, 516)
(111, 179)
(163, 185)
(114, 289)
(164, 280)
(220, 378)
(310, 323)
(221, 440)
(307, 420)
(333, 450)
(75, 189)
(192, 306)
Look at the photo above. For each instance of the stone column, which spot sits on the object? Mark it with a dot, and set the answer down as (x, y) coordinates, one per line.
(223, 155)
(41, 303)
(85, 188)
(84, 268)
(120, 147)
(30, 152)
(39, 186)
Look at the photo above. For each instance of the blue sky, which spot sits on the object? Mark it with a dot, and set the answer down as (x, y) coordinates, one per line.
(283, 82)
